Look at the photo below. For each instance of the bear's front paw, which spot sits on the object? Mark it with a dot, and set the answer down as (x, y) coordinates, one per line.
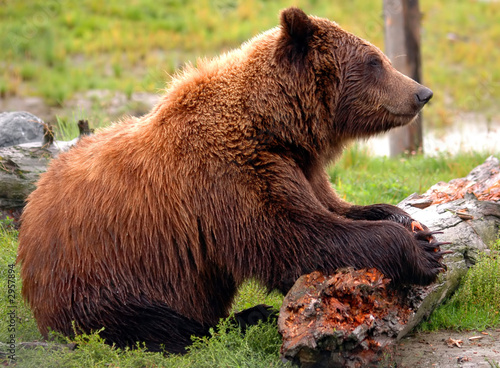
(432, 263)
(409, 223)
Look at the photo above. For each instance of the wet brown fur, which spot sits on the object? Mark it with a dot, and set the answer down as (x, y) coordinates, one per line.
(148, 227)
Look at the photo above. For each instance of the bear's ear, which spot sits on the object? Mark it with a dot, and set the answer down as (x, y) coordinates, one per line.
(296, 31)
(297, 25)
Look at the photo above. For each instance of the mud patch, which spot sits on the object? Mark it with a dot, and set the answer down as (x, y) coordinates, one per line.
(442, 349)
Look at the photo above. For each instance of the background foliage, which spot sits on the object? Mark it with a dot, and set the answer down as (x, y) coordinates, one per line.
(54, 48)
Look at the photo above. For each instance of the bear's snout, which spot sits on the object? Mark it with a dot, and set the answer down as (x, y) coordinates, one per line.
(423, 96)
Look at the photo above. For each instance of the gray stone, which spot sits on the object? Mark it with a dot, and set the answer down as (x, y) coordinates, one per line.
(19, 127)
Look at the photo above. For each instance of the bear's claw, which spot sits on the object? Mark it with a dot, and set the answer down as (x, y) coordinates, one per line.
(432, 253)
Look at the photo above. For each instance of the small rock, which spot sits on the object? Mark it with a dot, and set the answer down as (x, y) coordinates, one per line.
(20, 127)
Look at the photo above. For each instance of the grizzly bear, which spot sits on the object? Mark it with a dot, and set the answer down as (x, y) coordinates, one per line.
(148, 227)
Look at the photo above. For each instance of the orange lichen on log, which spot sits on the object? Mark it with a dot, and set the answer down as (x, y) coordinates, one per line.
(483, 182)
(457, 188)
(357, 297)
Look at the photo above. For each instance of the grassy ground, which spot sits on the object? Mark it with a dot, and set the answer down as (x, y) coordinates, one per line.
(475, 304)
(55, 48)
(358, 178)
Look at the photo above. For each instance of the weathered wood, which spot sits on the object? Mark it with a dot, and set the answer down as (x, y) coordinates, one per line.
(468, 235)
(345, 320)
(21, 166)
(325, 326)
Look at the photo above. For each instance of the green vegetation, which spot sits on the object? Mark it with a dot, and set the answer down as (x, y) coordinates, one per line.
(475, 304)
(54, 49)
(358, 178)
(10, 291)
(227, 347)
(363, 179)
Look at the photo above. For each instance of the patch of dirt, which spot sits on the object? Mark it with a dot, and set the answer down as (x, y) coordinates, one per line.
(447, 349)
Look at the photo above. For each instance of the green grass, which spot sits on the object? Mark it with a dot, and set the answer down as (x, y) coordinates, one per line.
(227, 347)
(66, 129)
(475, 305)
(358, 177)
(54, 49)
(363, 179)
(25, 325)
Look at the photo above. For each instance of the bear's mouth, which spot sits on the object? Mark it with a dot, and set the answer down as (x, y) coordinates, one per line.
(406, 119)
(396, 113)
(401, 118)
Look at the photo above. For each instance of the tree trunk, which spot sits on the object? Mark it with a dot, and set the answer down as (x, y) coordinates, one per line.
(402, 46)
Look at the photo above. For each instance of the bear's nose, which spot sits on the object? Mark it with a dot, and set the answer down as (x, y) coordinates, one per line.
(423, 95)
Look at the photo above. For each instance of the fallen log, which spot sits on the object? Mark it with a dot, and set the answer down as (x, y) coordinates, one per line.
(354, 318)
(22, 164)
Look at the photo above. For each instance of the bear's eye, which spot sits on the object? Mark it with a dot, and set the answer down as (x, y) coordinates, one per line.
(375, 62)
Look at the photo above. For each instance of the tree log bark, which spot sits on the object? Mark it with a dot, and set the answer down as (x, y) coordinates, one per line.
(20, 168)
(22, 164)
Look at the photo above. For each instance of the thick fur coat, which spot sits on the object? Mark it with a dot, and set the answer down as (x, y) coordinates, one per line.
(148, 227)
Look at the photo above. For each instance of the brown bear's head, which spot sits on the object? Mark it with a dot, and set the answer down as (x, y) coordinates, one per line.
(356, 89)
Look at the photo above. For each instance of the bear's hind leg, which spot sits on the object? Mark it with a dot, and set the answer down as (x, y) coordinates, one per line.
(251, 316)
(156, 325)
